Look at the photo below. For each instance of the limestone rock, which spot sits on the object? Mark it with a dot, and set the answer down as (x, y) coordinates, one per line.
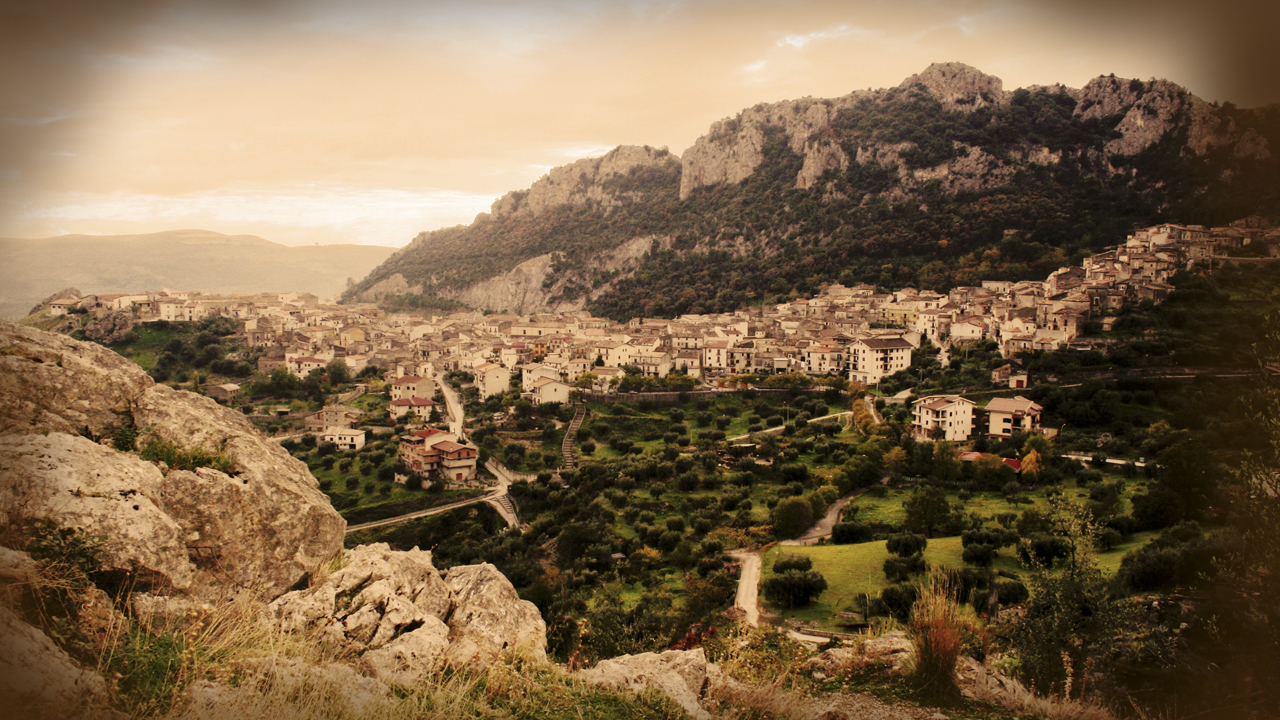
(819, 157)
(393, 284)
(110, 328)
(893, 647)
(583, 182)
(521, 289)
(162, 611)
(39, 680)
(412, 656)
(959, 87)
(681, 674)
(50, 382)
(264, 526)
(113, 496)
(369, 602)
(489, 618)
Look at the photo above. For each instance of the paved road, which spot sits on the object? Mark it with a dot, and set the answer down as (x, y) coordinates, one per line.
(454, 405)
(424, 513)
(748, 585)
(496, 499)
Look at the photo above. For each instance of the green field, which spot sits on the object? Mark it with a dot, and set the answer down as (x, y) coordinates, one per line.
(851, 570)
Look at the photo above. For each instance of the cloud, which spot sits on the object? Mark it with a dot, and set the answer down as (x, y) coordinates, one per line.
(754, 67)
(799, 41)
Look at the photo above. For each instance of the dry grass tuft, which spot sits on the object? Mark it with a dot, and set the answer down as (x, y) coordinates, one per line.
(937, 632)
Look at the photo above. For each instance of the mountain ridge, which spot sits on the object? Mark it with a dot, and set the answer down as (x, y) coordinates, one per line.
(187, 259)
(945, 167)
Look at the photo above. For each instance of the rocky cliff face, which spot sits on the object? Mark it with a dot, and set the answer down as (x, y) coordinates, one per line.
(583, 182)
(525, 288)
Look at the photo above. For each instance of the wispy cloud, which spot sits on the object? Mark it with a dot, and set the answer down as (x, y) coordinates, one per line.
(799, 41)
(37, 120)
(754, 67)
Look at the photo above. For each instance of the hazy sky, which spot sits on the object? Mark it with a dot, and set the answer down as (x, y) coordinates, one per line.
(366, 122)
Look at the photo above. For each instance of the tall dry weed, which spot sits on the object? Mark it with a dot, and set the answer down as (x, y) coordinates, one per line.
(937, 632)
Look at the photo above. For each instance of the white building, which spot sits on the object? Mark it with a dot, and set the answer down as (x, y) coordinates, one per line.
(942, 417)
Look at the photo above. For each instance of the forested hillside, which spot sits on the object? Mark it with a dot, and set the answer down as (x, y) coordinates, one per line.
(944, 180)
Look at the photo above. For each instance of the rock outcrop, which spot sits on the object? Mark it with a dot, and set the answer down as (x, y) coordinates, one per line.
(410, 619)
(39, 680)
(582, 182)
(76, 483)
(489, 618)
(282, 526)
(681, 674)
(52, 383)
(959, 87)
(111, 328)
(524, 288)
(262, 526)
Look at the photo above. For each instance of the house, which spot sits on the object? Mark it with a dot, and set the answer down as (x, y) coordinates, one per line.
(491, 379)
(1005, 416)
(547, 390)
(873, 359)
(942, 417)
(344, 438)
(1011, 375)
(62, 306)
(419, 406)
(436, 451)
(531, 374)
(225, 393)
(336, 417)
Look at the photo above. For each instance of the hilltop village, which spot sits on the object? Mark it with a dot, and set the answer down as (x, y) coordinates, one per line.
(854, 333)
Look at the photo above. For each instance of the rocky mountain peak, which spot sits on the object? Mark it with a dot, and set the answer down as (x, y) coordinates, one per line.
(958, 86)
(581, 182)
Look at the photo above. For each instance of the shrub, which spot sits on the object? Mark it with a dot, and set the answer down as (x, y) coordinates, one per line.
(125, 438)
(794, 588)
(848, 533)
(179, 459)
(792, 562)
(906, 544)
(898, 569)
(791, 517)
(898, 599)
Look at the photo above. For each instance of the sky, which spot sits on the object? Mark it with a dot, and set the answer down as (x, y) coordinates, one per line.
(323, 121)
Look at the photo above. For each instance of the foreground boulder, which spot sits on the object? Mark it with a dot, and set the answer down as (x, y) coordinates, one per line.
(39, 680)
(681, 674)
(490, 618)
(114, 497)
(50, 382)
(259, 523)
(408, 620)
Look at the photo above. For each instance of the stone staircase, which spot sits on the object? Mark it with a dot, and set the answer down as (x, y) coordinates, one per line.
(567, 447)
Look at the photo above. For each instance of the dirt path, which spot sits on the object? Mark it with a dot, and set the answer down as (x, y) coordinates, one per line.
(822, 528)
(779, 429)
(748, 585)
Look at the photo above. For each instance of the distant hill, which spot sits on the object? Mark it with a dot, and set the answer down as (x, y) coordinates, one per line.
(31, 270)
(946, 179)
